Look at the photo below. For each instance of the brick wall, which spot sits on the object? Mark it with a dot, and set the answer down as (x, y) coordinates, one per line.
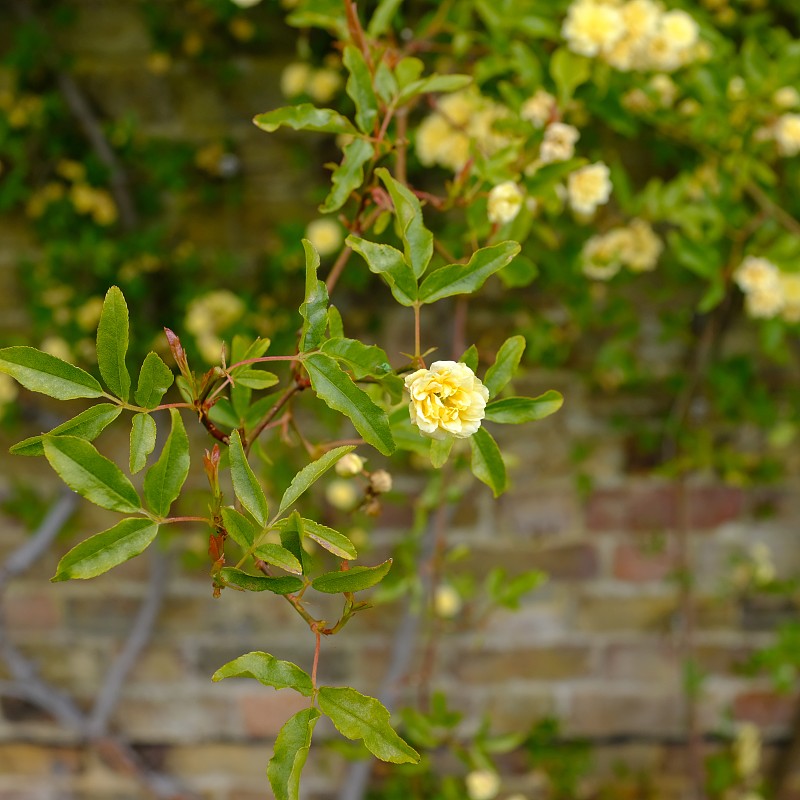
(600, 645)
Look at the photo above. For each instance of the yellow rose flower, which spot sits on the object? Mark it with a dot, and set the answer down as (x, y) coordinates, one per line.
(446, 400)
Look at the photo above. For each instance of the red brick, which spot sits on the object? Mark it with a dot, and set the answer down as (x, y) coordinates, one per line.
(28, 612)
(545, 663)
(265, 713)
(765, 708)
(635, 563)
(650, 506)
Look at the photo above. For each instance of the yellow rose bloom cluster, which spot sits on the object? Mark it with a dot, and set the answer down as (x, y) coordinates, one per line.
(538, 109)
(558, 143)
(446, 400)
(461, 120)
(768, 292)
(589, 187)
(210, 314)
(505, 201)
(326, 235)
(634, 35)
(787, 134)
(482, 784)
(747, 750)
(635, 246)
(320, 84)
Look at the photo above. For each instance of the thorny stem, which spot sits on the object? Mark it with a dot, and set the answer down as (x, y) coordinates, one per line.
(767, 204)
(358, 227)
(338, 266)
(686, 611)
(264, 359)
(272, 413)
(401, 147)
(434, 569)
(417, 336)
(316, 655)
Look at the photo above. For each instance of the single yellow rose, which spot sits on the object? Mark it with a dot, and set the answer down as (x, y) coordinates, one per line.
(447, 399)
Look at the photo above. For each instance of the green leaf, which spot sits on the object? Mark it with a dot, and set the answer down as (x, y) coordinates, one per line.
(354, 579)
(433, 83)
(440, 451)
(304, 117)
(165, 479)
(357, 716)
(103, 551)
(155, 377)
(245, 484)
(239, 528)
(260, 583)
(290, 753)
(267, 670)
(359, 89)
(41, 372)
(334, 387)
(310, 474)
(487, 462)
(279, 557)
(112, 343)
(255, 378)
(143, 441)
(385, 82)
(91, 475)
(314, 309)
(505, 365)
(335, 324)
(417, 239)
(349, 175)
(291, 533)
(514, 410)
(333, 541)
(384, 260)
(362, 359)
(508, 591)
(381, 20)
(87, 425)
(568, 70)
(470, 357)
(467, 278)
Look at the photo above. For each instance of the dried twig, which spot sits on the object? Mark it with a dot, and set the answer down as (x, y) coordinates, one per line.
(81, 109)
(137, 640)
(403, 647)
(28, 685)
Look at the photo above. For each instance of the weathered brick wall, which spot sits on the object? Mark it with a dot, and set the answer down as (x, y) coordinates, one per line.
(599, 645)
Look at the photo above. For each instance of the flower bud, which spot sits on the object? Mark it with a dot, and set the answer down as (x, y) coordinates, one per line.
(446, 601)
(349, 465)
(482, 784)
(380, 481)
(342, 494)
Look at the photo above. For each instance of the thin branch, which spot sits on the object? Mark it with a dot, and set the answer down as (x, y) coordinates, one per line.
(403, 651)
(82, 111)
(29, 553)
(137, 640)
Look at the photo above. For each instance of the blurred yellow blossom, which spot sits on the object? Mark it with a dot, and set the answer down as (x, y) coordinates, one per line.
(747, 750)
(295, 78)
(56, 346)
(505, 202)
(447, 601)
(786, 97)
(324, 84)
(326, 235)
(589, 187)
(558, 143)
(8, 389)
(787, 134)
(482, 784)
(88, 315)
(538, 109)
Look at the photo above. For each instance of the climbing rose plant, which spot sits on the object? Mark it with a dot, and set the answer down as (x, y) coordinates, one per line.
(393, 401)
